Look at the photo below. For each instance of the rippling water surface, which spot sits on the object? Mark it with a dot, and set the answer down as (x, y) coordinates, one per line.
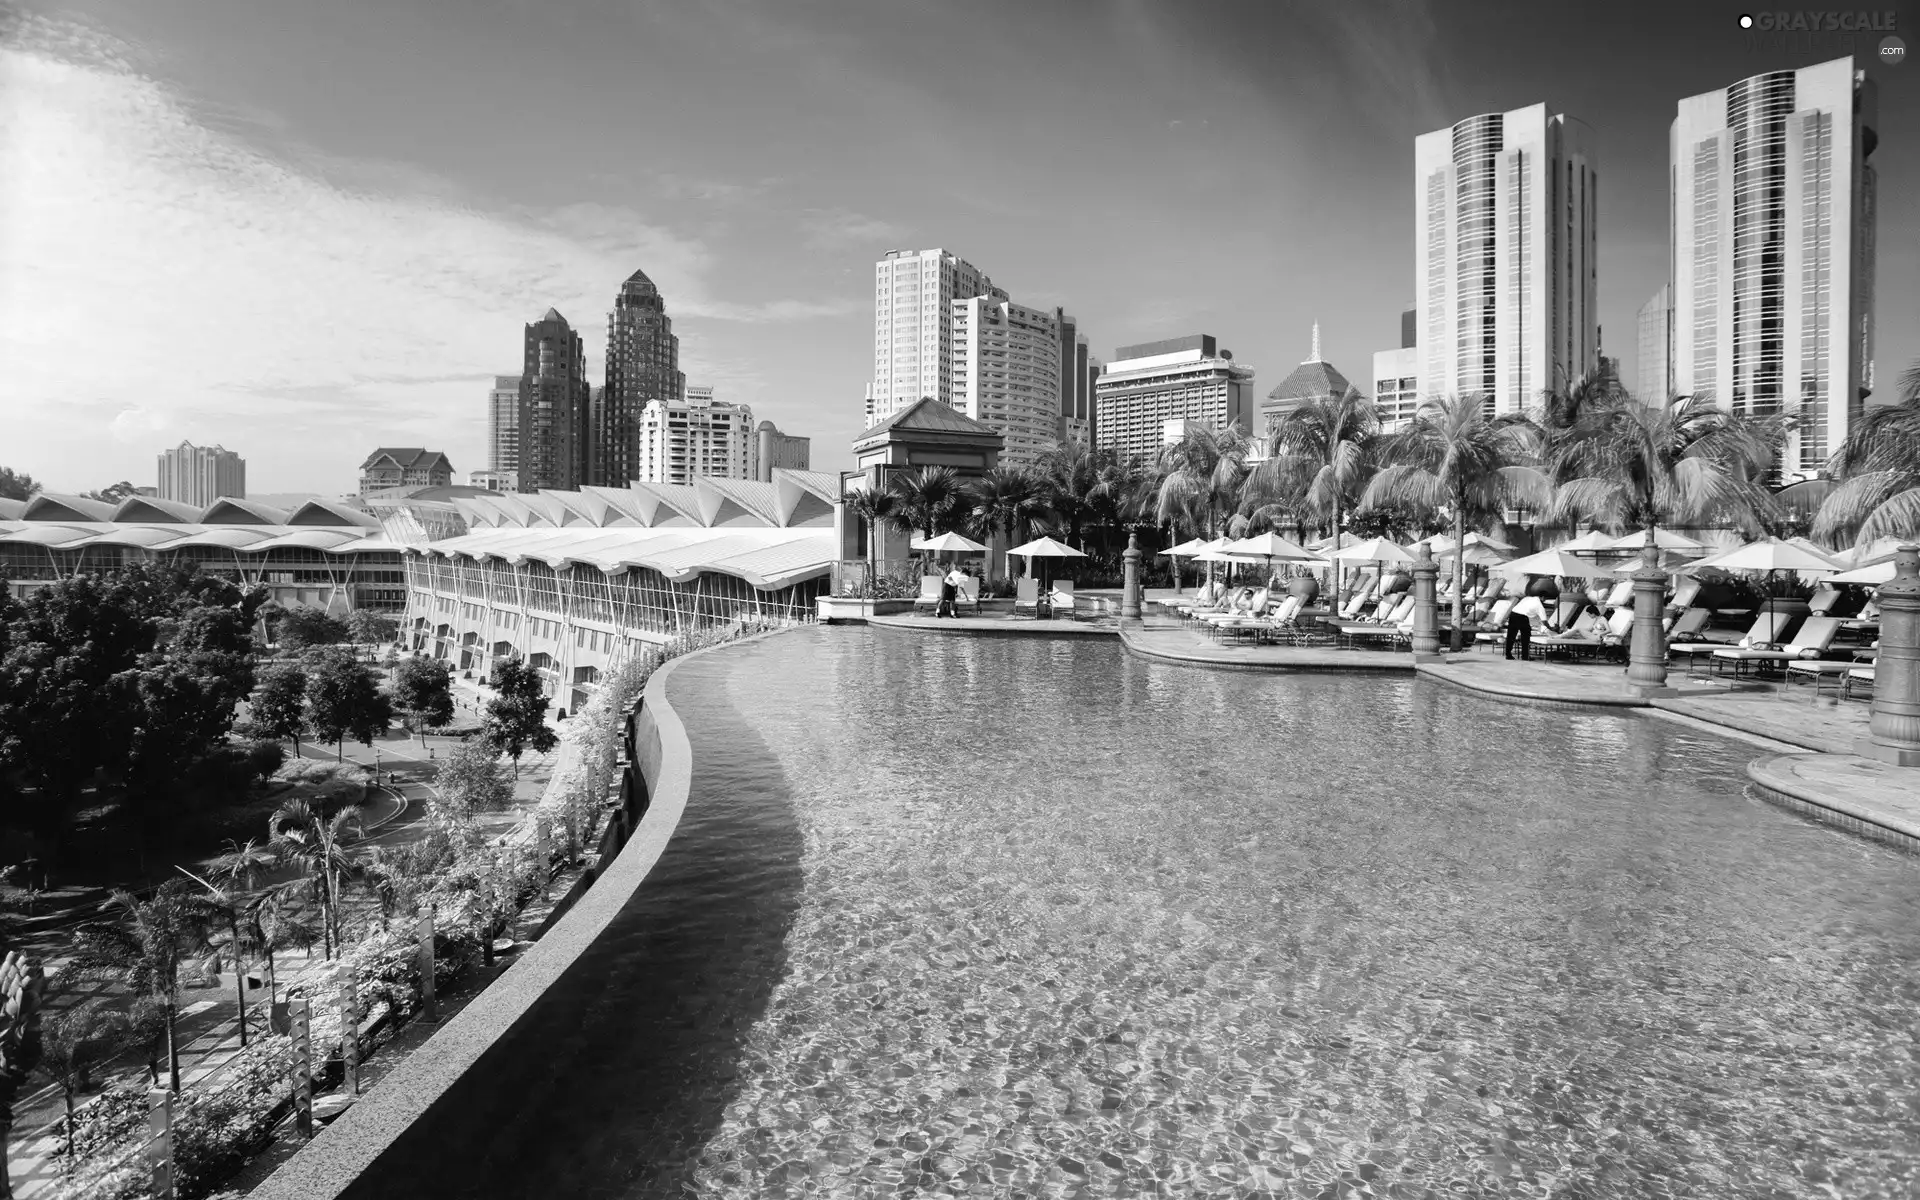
(1020, 918)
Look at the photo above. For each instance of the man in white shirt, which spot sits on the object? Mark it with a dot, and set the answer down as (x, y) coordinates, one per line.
(950, 591)
(1520, 622)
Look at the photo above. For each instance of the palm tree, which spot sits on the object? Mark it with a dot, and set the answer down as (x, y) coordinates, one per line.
(927, 499)
(301, 839)
(234, 875)
(1200, 477)
(75, 1042)
(144, 947)
(1620, 463)
(874, 507)
(274, 924)
(1877, 473)
(1320, 456)
(1070, 478)
(1005, 500)
(1454, 457)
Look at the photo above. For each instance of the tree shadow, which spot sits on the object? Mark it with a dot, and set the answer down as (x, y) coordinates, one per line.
(621, 1073)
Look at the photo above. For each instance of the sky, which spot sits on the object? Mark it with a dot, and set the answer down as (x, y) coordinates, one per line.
(303, 230)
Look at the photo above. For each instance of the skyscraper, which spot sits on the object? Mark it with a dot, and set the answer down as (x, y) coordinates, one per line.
(1076, 381)
(1772, 223)
(503, 426)
(913, 295)
(680, 439)
(201, 474)
(643, 365)
(1184, 380)
(1504, 256)
(554, 402)
(1653, 381)
(1006, 374)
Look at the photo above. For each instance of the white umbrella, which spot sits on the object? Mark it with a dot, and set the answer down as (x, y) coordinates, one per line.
(1186, 549)
(1664, 539)
(1589, 543)
(1876, 574)
(948, 543)
(1555, 562)
(1769, 555)
(1815, 549)
(1372, 550)
(1443, 543)
(1046, 547)
(1861, 556)
(1271, 546)
(1321, 545)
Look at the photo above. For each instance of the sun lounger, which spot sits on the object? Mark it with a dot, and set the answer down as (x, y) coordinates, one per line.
(1684, 593)
(1813, 640)
(1686, 626)
(1026, 596)
(1568, 611)
(1857, 677)
(1587, 634)
(929, 592)
(1818, 671)
(1821, 603)
(1765, 629)
(1060, 599)
(969, 594)
(1493, 627)
(1351, 609)
(1621, 596)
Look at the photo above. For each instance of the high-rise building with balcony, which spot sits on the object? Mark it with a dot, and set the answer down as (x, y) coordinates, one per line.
(1653, 372)
(1180, 379)
(643, 365)
(201, 474)
(503, 426)
(1772, 250)
(1006, 374)
(913, 295)
(699, 435)
(1396, 377)
(1506, 210)
(554, 402)
(773, 449)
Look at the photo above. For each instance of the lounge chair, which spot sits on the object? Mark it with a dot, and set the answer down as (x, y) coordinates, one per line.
(1821, 603)
(929, 591)
(1060, 599)
(1817, 671)
(1621, 596)
(1766, 627)
(1490, 595)
(1686, 626)
(1402, 611)
(1258, 621)
(969, 594)
(1026, 596)
(1253, 608)
(1813, 640)
(1493, 627)
(1857, 677)
(1351, 609)
(1588, 633)
(1684, 593)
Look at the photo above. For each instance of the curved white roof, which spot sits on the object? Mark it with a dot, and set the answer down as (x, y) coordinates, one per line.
(309, 539)
(764, 557)
(233, 537)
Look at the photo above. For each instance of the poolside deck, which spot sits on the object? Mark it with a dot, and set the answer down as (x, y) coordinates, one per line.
(997, 624)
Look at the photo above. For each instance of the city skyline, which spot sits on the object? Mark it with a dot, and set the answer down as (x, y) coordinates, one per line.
(180, 139)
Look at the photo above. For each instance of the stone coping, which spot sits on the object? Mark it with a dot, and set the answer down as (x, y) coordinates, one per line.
(1473, 677)
(335, 1159)
(1273, 659)
(1861, 795)
(994, 626)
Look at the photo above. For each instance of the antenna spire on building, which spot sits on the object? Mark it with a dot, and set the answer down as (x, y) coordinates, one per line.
(1315, 356)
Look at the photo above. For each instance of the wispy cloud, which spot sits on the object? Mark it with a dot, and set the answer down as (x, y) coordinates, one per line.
(681, 187)
(166, 275)
(834, 229)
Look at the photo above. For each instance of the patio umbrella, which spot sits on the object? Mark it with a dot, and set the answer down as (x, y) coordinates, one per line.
(1861, 556)
(1322, 545)
(1271, 546)
(1664, 539)
(1443, 543)
(1375, 550)
(1589, 543)
(1771, 555)
(1876, 574)
(1187, 549)
(1555, 562)
(948, 543)
(1044, 547)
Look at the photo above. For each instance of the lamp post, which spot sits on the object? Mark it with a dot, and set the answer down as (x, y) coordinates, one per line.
(1426, 606)
(1647, 656)
(1130, 594)
(1893, 731)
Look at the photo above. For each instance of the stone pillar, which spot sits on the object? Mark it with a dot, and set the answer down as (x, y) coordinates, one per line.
(301, 1015)
(1893, 732)
(1426, 608)
(1647, 652)
(1130, 594)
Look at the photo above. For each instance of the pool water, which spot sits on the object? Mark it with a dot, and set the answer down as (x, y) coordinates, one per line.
(1002, 917)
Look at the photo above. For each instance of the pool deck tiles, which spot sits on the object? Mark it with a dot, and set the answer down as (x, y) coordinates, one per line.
(995, 623)
(1161, 640)
(1862, 795)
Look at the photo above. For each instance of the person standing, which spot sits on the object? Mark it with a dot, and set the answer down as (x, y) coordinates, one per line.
(1520, 622)
(949, 592)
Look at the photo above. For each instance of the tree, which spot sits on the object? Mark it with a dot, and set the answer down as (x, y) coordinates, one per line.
(302, 627)
(874, 507)
(23, 990)
(517, 718)
(423, 693)
(147, 1029)
(343, 700)
(1454, 458)
(274, 924)
(1619, 463)
(316, 848)
(75, 1043)
(368, 628)
(470, 781)
(1876, 471)
(1320, 456)
(1070, 486)
(1005, 500)
(233, 876)
(115, 493)
(280, 704)
(928, 499)
(144, 946)
(1200, 478)
(16, 485)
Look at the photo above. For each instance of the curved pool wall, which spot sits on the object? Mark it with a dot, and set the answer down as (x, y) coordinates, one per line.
(444, 1098)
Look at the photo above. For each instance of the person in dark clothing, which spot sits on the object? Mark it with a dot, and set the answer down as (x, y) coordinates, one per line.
(1520, 625)
(949, 593)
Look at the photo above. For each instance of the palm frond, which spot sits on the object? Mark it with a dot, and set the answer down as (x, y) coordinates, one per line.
(1897, 517)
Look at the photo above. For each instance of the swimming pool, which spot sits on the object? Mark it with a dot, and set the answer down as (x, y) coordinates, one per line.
(1006, 917)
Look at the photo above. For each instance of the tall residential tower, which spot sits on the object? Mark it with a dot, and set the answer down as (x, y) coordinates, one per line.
(1504, 256)
(554, 401)
(643, 365)
(1772, 250)
(199, 475)
(913, 295)
(1006, 374)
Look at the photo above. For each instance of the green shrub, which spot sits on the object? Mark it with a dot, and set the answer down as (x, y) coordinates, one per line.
(265, 758)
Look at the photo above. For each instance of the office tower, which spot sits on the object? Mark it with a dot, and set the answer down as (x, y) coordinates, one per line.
(201, 474)
(503, 426)
(1653, 375)
(1504, 237)
(554, 402)
(1772, 250)
(776, 449)
(913, 295)
(1094, 369)
(1180, 379)
(1076, 382)
(404, 466)
(643, 365)
(699, 435)
(1006, 374)
(1314, 379)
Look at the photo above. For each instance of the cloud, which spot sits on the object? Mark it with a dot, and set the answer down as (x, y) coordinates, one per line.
(843, 229)
(681, 187)
(168, 275)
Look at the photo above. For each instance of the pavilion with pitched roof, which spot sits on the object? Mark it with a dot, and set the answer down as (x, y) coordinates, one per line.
(1313, 379)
